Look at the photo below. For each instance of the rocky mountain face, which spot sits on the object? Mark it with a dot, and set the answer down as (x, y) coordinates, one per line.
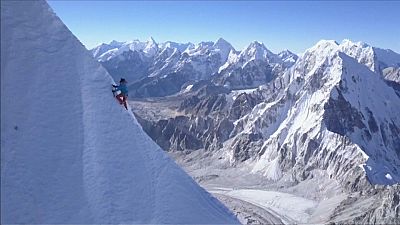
(156, 70)
(252, 67)
(334, 110)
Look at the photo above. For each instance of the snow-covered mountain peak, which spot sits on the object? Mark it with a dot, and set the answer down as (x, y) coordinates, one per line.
(204, 47)
(224, 48)
(180, 46)
(115, 43)
(288, 57)
(317, 55)
(285, 52)
(256, 44)
(362, 52)
(151, 47)
(257, 51)
(376, 59)
(103, 48)
(205, 44)
(151, 40)
(348, 42)
(83, 159)
(324, 47)
(222, 43)
(387, 58)
(325, 97)
(255, 47)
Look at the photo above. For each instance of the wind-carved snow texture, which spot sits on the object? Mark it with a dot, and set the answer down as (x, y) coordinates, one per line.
(69, 152)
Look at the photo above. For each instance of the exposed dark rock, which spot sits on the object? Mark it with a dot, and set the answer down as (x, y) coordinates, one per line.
(311, 147)
(242, 105)
(246, 146)
(395, 86)
(383, 210)
(373, 126)
(341, 117)
(395, 133)
(189, 103)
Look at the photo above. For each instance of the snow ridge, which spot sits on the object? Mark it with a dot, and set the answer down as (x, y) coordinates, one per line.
(71, 158)
(324, 116)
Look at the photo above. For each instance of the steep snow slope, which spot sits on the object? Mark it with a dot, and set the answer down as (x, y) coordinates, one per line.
(376, 59)
(326, 130)
(69, 153)
(332, 113)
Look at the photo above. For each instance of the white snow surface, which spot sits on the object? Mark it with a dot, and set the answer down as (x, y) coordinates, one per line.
(254, 51)
(106, 52)
(69, 152)
(374, 58)
(180, 46)
(283, 121)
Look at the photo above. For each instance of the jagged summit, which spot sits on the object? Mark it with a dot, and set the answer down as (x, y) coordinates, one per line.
(257, 51)
(256, 43)
(223, 44)
(151, 48)
(116, 43)
(212, 59)
(285, 51)
(288, 57)
(352, 43)
(151, 40)
(179, 46)
(337, 82)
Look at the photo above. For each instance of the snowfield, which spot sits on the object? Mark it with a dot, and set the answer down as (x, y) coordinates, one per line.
(69, 152)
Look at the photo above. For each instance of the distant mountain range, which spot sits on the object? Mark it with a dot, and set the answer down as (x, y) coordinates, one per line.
(330, 114)
(163, 69)
(159, 69)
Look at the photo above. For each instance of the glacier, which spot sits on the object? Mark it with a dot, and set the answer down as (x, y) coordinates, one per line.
(326, 130)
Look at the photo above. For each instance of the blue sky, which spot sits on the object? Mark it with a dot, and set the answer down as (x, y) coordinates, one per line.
(295, 25)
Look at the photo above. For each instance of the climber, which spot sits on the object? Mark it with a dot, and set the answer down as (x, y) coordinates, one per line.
(123, 95)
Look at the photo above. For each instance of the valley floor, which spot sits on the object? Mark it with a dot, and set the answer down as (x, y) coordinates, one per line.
(256, 201)
(252, 197)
